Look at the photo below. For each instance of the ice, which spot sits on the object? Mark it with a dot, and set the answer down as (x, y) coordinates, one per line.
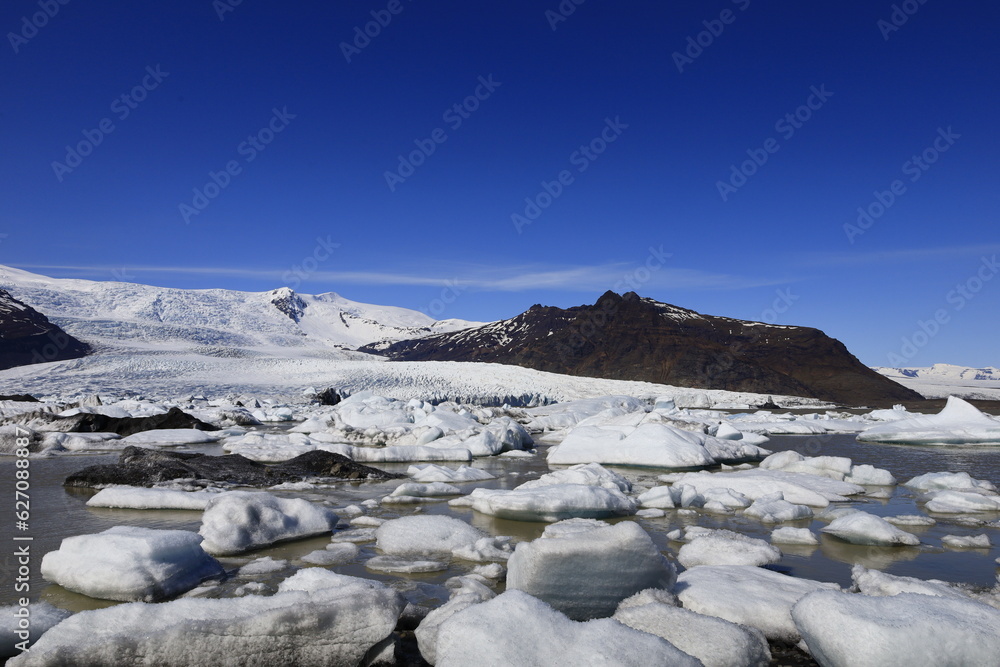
(316, 619)
(333, 554)
(910, 520)
(355, 536)
(239, 521)
(435, 473)
(485, 550)
(959, 423)
(961, 502)
(461, 598)
(134, 497)
(795, 487)
(168, 437)
(265, 565)
(873, 582)
(420, 491)
(868, 529)
(844, 629)
(584, 568)
(951, 481)
(40, 617)
(76, 442)
(647, 445)
(659, 497)
(775, 509)
(549, 503)
(724, 547)
(403, 565)
(517, 629)
(747, 595)
(967, 541)
(721, 500)
(404, 454)
(128, 563)
(591, 474)
(714, 641)
(650, 514)
(789, 535)
(870, 475)
(431, 534)
(570, 413)
(490, 571)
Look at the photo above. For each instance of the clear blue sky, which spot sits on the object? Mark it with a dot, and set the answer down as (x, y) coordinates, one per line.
(884, 96)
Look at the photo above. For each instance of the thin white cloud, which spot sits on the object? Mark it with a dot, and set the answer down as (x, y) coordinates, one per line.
(620, 276)
(903, 255)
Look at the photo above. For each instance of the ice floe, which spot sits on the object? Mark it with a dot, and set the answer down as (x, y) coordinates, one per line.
(958, 423)
(724, 547)
(134, 497)
(430, 534)
(868, 529)
(239, 521)
(549, 503)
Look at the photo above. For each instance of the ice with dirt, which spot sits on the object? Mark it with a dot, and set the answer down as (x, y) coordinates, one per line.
(851, 630)
(316, 619)
(584, 568)
(129, 563)
(239, 521)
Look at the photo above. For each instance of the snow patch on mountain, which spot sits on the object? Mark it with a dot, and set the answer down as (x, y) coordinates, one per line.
(942, 380)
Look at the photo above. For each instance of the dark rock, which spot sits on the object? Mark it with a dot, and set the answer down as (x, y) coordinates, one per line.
(86, 422)
(138, 466)
(633, 338)
(28, 337)
(329, 396)
(22, 398)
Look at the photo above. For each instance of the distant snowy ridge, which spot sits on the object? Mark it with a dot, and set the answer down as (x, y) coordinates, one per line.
(941, 380)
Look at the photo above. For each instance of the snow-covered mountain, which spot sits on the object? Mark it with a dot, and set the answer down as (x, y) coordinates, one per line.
(118, 314)
(941, 380)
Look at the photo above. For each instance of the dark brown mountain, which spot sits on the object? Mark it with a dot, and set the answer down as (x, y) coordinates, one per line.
(27, 336)
(633, 338)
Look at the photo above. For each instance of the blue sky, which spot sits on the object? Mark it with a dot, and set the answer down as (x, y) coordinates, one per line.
(622, 124)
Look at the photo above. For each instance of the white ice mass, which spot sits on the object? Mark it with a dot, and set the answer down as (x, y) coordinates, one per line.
(239, 521)
(959, 423)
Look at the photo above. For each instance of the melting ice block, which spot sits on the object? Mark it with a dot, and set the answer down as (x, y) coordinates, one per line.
(238, 521)
(845, 629)
(549, 503)
(647, 445)
(137, 497)
(871, 530)
(517, 629)
(316, 619)
(425, 534)
(41, 616)
(129, 563)
(724, 547)
(584, 568)
(959, 423)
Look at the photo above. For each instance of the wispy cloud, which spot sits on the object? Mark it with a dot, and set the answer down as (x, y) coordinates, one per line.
(903, 255)
(515, 278)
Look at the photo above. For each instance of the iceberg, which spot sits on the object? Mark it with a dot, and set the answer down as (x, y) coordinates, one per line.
(420, 535)
(549, 503)
(959, 423)
(239, 521)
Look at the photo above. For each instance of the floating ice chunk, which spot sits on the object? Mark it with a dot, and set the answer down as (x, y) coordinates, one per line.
(317, 619)
(265, 565)
(775, 509)
(650, 514)
(549, 503)
(724, 547)
(82, 441)
(40, 617)
(750, 596)
(961, 502)
(727, 431)
(868, 529)
(798, 488)
(333, 554)
(585, 568)
(591, 474)
(870, 476)
(910, 520)
(403, 454)
(462, 598)
(834, 467)
(128, 563)
(490, 571)
(425, 490)
(429, 534)
(169, 437)
(367, 521)
(967, 541)
(238, 521)
(789, 535)
(569, 413)
(659, 497)
(873, 582)
(959, 423)
(485, 549)
(951, 481)
(723, 500)
(647, 445)
(843, 629)
(435, 473)
(518, 629)
(403, 565)
(354, 536)
(729, 645)
(136, 497)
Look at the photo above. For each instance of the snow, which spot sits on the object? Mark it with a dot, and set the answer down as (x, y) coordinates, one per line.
(129, 563)
(793, 536)
(724, 547)
(730, 644)
(40, 616)
(316, 619)
(517, 629)
(747, 595)
(239, 521)
(959, 423)
(904, 629)
(943, 380)
(584, 568)
(549, 503)
(868, 529)
(417, 535)
(134, 497)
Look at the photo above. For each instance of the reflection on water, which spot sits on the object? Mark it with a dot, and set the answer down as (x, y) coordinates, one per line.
(58, 512)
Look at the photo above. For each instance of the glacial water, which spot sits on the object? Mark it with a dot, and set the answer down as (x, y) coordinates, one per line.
(58, 512)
